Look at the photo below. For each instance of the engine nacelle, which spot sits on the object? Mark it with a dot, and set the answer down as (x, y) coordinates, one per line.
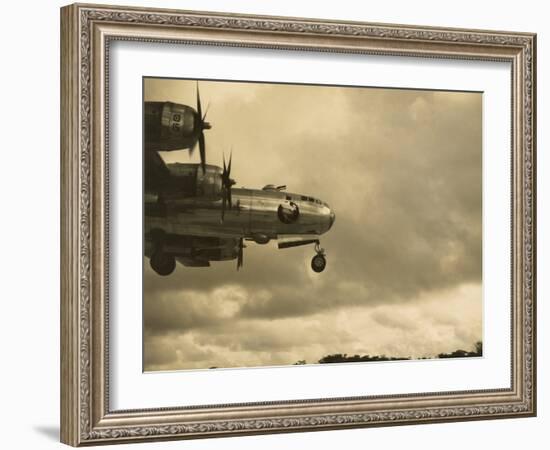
(188, 183)
(170, 126)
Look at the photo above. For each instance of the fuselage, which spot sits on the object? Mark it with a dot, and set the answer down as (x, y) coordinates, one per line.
(257, 214)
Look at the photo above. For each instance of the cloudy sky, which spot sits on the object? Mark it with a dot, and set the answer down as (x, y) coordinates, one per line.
(402, 171)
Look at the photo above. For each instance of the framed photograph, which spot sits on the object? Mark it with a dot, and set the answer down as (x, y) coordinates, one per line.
(277, 225)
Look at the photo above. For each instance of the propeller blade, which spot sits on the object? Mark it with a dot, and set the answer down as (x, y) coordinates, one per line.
(202, 149)
(199, 109)
(205, 112)
(227, 183)
(199, 128)
(229, 165)
(240, 254)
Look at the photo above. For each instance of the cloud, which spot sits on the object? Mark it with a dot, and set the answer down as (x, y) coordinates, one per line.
(186, 309)
(442, 321)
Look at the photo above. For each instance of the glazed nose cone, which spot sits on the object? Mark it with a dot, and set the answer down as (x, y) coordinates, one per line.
(332, 219)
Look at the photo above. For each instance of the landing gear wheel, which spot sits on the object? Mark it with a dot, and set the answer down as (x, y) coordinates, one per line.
(318, 263)
(162, 263)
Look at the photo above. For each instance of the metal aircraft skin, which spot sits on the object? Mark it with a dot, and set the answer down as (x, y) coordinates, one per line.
(194, 215)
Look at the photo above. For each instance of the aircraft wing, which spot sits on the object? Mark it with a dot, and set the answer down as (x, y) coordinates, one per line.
(196, 251)
(296, 241)
(155, 171)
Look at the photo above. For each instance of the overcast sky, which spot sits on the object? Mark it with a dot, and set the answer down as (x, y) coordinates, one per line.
(402, 171)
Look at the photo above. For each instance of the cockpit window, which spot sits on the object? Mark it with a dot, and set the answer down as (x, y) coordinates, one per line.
(310, 199)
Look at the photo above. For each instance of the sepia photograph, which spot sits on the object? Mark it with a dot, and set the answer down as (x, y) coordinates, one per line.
(291, 224)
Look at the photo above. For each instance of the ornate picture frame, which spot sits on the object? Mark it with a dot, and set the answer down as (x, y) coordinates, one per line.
(87, 31)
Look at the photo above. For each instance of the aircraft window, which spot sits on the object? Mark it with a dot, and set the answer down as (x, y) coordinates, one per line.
(311, 199)
(303, 197)
(288, 197)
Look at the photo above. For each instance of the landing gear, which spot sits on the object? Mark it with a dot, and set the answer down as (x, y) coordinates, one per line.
(162, 263)
(319, 261)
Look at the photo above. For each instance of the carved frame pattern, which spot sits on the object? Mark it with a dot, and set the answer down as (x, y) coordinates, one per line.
(86, 418)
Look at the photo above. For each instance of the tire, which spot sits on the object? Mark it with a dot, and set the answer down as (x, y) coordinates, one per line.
(318, 263)
(162, 263)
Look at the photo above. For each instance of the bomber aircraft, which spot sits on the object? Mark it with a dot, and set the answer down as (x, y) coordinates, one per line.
(194, 215)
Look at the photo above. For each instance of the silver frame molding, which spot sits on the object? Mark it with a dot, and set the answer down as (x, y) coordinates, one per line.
(86, 32)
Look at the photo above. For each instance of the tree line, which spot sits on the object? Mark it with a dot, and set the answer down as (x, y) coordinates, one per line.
(344, 357)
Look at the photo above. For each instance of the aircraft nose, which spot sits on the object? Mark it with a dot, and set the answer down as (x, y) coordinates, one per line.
(332, 219)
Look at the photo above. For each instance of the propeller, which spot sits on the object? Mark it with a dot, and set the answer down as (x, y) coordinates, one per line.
(227, 182)
(240, 254)
(202, 125)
